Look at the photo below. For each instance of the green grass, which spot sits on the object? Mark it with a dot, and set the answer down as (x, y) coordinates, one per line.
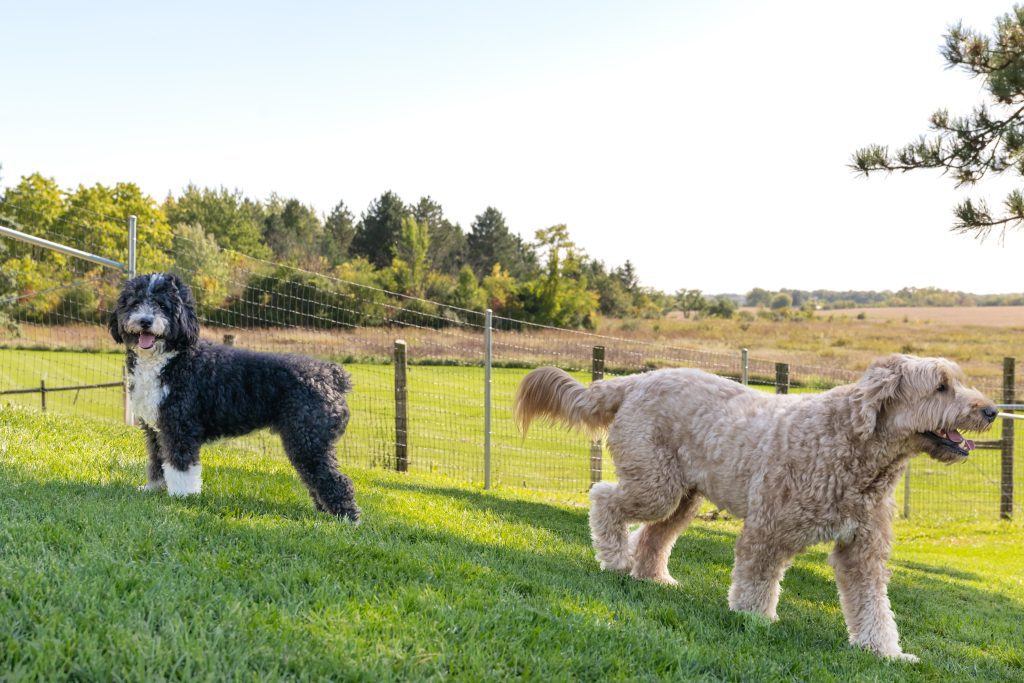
(446, 431)
(101, 582)
(445, 417)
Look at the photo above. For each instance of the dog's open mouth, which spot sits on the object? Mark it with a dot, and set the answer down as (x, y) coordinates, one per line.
(146, 340)
(952, 440)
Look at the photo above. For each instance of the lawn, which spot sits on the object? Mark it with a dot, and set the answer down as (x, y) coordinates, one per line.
(101, 582)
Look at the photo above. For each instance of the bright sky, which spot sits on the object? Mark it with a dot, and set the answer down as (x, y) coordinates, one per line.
(707, 142)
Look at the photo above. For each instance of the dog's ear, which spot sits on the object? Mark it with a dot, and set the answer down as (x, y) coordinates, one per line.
(115, 327)
(879, 385)
(186, 322)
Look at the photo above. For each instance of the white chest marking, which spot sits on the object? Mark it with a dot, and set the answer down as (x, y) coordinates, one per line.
(147, 391)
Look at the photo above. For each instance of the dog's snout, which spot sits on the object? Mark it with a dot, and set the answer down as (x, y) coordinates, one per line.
(990, 413)
(145, 322)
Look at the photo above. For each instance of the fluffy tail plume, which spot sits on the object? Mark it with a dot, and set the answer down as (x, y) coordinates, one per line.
(551, 393)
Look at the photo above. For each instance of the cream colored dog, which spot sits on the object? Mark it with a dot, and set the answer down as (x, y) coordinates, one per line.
(799, 469)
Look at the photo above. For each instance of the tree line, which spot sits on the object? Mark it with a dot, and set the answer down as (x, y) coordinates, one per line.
(826, 299)
(211, 236)
(241, 253)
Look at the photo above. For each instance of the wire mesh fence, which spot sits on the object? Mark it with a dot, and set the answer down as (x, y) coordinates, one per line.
(426, 414)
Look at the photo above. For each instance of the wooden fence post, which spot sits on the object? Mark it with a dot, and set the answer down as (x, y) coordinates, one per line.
(596, 452)
(42, 392)
(401, 410)
(782, 378)
(1006, 485)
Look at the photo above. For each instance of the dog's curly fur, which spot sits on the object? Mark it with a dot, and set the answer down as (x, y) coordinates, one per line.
(799, 470)
(187, 391)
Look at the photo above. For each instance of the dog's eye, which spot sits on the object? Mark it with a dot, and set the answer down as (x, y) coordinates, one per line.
(942, 388)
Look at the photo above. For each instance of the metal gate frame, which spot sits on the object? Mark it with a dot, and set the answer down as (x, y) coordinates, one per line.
(127, 268)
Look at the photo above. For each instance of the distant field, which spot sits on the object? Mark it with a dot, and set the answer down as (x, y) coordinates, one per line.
(983, 316)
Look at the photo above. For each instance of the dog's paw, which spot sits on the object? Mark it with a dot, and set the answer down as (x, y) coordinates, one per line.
(151, 486)
(904, 657)
(351, 517)
(618, 565)
(664, 579)
(755, 620)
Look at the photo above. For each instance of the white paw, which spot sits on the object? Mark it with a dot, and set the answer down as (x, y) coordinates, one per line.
(663, 579)
(904, 657)
(187, 483)
(620, 565)
(153, 486)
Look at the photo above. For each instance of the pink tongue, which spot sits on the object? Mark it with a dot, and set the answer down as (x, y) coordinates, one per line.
(146, 341)
(955, 437)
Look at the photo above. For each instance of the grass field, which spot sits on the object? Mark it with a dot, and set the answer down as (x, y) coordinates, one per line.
(446, 431)
(445, 417)
(246, 582)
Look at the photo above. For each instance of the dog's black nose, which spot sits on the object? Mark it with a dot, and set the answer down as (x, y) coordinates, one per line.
(145, 323)
(990, 413)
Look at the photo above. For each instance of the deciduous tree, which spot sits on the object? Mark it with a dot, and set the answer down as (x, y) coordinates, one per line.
(233, 220)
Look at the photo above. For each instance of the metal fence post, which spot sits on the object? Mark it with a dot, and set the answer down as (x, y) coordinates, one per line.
(596, 452)
(129, 418)
(1006, 483)
(744, 367)
(906, 492)
(42, 392)
(782, 378)
(488, 320)
(401, 410)
(132, 239)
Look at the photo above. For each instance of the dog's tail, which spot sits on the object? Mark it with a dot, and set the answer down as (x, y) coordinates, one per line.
(342, 378)
(551, 393)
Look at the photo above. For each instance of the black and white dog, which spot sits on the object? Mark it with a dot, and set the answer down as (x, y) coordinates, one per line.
(187, 391)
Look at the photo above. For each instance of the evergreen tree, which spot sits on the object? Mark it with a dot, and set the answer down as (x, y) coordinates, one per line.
(379, 230)
(489, 242)
(339, 230)
(447, 241)
(989, 141)
(293, 231)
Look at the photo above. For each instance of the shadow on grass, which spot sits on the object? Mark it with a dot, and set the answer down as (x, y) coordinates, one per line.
(541, 610)
(940, 571)
(568, 523)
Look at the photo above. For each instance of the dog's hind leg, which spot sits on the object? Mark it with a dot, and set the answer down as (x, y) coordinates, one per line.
(154, 466)
(614, 506)
(761, 561)
(315, 460)
(652, 543)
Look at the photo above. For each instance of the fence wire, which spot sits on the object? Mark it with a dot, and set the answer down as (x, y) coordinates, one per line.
(56, 336)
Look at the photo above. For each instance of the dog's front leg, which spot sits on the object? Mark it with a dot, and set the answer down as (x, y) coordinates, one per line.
(761, 561)
(863, 580)
(181, 467)
(154, 466)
